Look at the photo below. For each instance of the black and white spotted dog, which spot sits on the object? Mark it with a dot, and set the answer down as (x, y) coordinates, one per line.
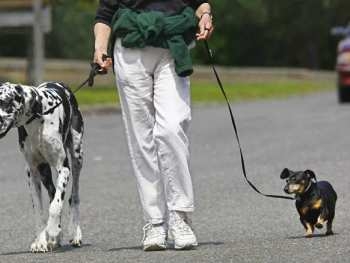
(50, 131)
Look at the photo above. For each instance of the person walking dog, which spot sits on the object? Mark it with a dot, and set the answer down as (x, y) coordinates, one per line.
(149, 42)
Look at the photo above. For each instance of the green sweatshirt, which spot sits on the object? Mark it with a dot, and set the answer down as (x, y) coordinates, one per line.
(153, 28)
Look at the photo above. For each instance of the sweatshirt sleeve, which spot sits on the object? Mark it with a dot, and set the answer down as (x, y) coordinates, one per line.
(105, 11)
(196, 3)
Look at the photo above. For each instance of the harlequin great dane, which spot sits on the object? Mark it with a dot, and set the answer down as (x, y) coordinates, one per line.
(50, 131)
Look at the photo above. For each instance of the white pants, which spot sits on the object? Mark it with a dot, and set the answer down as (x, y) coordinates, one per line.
(155, 104)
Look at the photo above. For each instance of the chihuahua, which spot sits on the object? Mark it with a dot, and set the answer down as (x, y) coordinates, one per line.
(315, 201)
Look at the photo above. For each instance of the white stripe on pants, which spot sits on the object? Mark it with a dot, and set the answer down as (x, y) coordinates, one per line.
(156, 112)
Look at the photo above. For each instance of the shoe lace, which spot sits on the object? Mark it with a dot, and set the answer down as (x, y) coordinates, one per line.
(149, 229)
(182, 226)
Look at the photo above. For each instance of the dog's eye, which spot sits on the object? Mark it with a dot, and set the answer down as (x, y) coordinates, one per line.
(290, 179)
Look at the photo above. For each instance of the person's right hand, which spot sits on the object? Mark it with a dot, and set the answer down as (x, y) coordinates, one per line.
(104, 64)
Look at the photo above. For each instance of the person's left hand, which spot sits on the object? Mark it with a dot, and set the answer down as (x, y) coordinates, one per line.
(206, 27)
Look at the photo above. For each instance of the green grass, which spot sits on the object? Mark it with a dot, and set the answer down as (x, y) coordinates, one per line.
(209, 92)
(97, 96)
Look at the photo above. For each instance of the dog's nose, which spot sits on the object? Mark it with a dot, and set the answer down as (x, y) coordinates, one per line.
(286, 189)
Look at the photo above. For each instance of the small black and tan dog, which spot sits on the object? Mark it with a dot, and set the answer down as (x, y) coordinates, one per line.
(315, 201)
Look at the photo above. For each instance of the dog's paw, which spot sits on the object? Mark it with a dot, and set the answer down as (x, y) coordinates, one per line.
(45, 243)
(54, 242)
(308, 235)
(40, 244)
(39, 247)
(329, 233)
(76, 241)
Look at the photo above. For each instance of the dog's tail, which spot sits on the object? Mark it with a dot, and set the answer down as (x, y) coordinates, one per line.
(76, 135)
(77, 119)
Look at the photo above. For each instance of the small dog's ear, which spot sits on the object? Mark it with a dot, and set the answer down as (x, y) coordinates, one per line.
(285, 173)
(311, 174)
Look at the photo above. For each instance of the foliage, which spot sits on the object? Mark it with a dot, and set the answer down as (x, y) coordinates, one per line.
(290, 33)
(72, 35)
(293, 33)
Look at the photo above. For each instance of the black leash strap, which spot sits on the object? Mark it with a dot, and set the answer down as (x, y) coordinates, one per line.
(211, 58)
(95, 70)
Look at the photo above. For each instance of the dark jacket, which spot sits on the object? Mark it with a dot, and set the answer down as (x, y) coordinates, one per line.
(153, 28)
(107, 8)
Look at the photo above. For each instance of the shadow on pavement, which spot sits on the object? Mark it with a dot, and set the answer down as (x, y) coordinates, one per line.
(313, 236)
(202, 244)
(62, 249)
(125, 248)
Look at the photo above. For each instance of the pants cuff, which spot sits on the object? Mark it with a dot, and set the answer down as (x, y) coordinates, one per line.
(182, 209)
(156, 221)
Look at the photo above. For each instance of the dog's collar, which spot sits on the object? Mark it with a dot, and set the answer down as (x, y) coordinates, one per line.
(299, 197)
(34, 107)
(308, 187)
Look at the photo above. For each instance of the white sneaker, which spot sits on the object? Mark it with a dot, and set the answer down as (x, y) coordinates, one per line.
(154, 237)
(180, 231)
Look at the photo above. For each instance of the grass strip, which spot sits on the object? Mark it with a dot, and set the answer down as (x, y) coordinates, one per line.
(210, 93)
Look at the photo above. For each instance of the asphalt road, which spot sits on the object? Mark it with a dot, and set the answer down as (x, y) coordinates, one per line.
(233, 223)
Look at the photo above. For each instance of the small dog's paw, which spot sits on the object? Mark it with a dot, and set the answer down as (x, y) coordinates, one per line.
(329, 233)
(308, 235)
(319, 225)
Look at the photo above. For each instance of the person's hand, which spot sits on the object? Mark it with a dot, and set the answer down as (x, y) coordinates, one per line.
(206, 27)
(104, 64)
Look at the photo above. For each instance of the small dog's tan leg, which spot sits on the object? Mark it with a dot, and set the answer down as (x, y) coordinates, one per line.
(320, 222)
(309, 230)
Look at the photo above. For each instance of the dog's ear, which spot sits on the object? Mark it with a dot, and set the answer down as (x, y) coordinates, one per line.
(311, 174)
(285, 173)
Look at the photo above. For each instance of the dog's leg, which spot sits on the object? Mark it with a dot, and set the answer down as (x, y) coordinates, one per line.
(50, 237)
(54, 227)
(320, 222)
(53, 151)
(329, 227)
(309, 229)
(330, 222)
(46, 178)
(75, 145)
(34, 184)
(76, 153)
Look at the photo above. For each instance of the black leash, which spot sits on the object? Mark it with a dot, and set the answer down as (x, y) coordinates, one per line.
(211, 59)
(95, 70)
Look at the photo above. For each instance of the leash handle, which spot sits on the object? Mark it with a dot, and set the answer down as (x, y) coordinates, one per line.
(96, 69)
(211, 60)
